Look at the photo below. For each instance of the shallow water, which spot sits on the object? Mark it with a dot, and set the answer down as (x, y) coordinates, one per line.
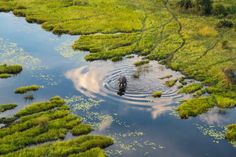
(140, 124)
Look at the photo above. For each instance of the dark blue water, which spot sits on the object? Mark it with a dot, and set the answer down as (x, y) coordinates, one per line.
(141, 125)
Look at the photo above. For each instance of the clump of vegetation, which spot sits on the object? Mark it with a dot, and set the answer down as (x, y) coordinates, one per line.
(7, 70)
(200, 92)
(194, 107)
(220, 10)
(231, 133)
(191, 88)
(81, 129)
(157, 94)
(116, 59)
(185, 4)
(5, 107)
(5, 76)
(140, 63)
(224, 102)
(25, 89)
(208, 31)
(171, 83)
(225, 24)
(44, 122)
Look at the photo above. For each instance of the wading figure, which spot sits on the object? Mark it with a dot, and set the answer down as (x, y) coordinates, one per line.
(122, 85)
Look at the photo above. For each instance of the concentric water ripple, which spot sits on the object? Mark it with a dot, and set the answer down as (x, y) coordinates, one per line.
(101, 79)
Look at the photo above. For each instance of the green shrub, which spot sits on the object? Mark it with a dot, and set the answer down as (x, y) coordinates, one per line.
(185, 4)
(225, 24)
(220, 10)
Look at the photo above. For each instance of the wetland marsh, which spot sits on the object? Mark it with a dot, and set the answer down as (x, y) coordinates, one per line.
(177, 66)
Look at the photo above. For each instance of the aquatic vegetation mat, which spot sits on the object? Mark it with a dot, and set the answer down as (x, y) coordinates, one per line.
(231, 133)
(25, 89)
(7, 70)
(195, 106)
(47, 123)
(5, 107)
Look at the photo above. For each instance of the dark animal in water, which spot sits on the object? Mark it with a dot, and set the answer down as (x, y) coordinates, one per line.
(122, 85)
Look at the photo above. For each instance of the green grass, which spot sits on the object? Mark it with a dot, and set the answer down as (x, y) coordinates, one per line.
(231, 133)
(44, 122)
(225, 102)
(5, 76)
(10, 69)
(171, 83)
(196, 106)
(25, 89)
(157, 94)
(191, 88)
(5, 107)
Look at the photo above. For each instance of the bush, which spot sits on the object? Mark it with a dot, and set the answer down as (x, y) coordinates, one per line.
(185, 4)
(220, 10)
(225, 24)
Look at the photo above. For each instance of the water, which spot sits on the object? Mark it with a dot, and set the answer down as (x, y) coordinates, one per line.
(140, 124)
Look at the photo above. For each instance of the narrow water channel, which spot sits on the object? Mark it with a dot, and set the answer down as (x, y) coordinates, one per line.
(140, 124)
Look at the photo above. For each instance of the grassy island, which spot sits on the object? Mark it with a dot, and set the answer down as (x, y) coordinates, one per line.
(194, 107)
(191, 88)
(231, 133)
(7, 71)
(49, 121)
(157, 94)
(25, 89)
(5, 107)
